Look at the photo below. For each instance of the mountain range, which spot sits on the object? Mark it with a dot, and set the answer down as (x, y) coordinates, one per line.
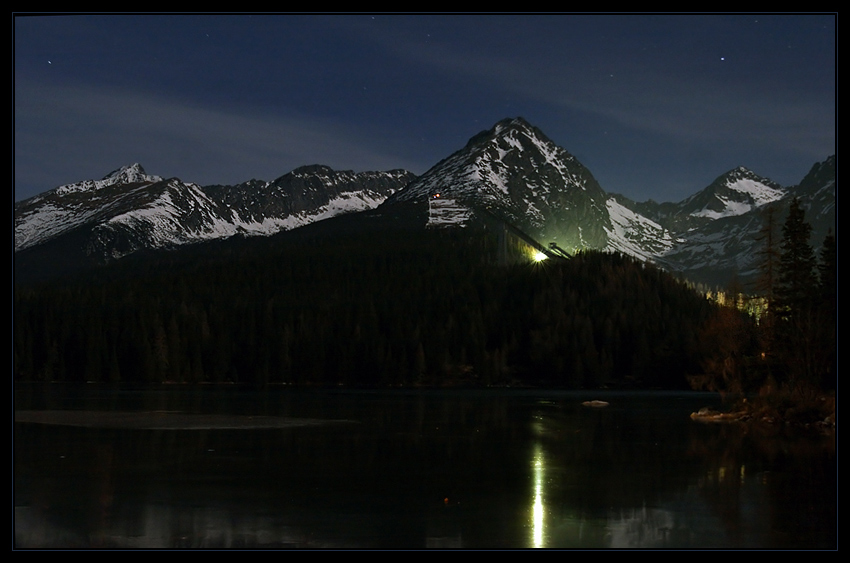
(512, 173)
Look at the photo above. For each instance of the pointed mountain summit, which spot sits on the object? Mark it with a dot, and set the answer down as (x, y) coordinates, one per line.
(716, 229)
(817, 194)
(63, 209)
(515, 172)
(132, 174)
(736, 192)
(820, 179)
(510, 178)
(130, 210)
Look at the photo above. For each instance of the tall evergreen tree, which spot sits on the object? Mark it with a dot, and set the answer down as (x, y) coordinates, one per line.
(827, 278)
(798, 331)
(795, 291)
(768, 260)
(828, 271)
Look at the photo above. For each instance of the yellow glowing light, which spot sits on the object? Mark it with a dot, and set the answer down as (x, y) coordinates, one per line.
(538, 511)
(538, 256)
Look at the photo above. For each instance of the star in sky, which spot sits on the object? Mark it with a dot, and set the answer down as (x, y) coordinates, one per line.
(226, 98)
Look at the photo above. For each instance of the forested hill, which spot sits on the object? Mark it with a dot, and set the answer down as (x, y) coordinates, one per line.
(413, 307)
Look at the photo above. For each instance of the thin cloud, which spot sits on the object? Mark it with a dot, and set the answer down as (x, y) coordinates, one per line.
(91, 132)
(679, 103)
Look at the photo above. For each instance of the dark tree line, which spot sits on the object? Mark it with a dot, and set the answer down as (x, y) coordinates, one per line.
(406, 308)
(790, 349)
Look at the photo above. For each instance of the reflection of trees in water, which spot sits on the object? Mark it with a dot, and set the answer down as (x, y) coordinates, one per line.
(438, 468)
(613, 473)
(213, 488)
(762, 486)
(769, 485)
(595, 447)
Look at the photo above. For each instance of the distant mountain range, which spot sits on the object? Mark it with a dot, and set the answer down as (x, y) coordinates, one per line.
(512, 172)
(130, 210)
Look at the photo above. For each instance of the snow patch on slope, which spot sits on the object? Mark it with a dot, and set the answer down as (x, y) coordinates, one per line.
(133, 173)
(58, 216)
(165, 221)
(755, 194)
(634, 234)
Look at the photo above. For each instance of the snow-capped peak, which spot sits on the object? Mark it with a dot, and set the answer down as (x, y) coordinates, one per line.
(133, 173)
(737, 192)
(515, 173)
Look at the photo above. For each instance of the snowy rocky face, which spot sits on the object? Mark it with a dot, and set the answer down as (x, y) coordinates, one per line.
(633, 234)
(514, 172)
(710, 236)
(68, 207)
(735, 193)
(129, 210)
(133, 174)
(511, 172)
(518, 174)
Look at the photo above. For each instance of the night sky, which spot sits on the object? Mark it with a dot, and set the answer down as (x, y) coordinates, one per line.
(656, 106)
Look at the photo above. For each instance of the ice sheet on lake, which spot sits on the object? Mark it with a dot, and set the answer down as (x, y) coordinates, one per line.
(165, 420)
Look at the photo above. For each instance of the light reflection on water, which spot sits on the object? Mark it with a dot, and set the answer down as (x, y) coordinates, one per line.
(537, 510)
(436, 469)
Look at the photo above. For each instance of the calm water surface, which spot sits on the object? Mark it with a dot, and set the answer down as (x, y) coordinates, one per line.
(224, 467)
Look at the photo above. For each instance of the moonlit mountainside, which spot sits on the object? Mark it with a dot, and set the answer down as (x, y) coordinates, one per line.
(128, 210)
(735, 193)
(68, 207)
(133, 174)
(511, 173)
(517, 174)
(633, 234)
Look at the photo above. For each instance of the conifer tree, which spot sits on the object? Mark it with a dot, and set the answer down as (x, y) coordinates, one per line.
(827, 278)
(796, 279)
(828, 270)
(768, 259)
(798, 336)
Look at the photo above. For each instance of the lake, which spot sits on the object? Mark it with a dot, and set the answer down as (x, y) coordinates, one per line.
(176, 466)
